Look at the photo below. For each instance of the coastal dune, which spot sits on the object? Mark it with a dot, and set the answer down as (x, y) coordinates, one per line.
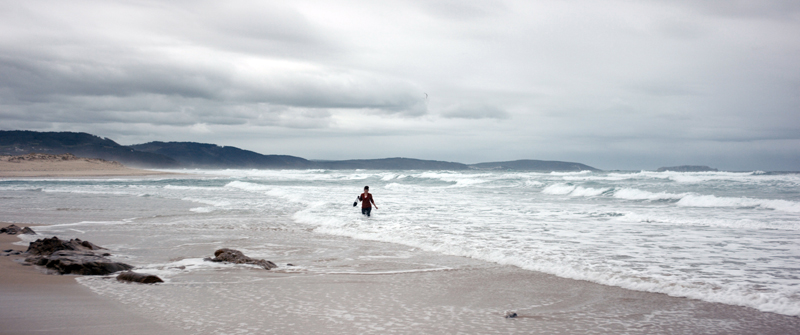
(64, 165)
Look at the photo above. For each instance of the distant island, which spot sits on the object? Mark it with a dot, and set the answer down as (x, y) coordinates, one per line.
(687, 168)
(171, 155)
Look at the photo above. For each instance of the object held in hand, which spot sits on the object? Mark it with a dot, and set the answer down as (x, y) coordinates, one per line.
(355, 203)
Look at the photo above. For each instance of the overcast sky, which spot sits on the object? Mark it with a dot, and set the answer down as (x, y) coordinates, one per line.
(612, 84)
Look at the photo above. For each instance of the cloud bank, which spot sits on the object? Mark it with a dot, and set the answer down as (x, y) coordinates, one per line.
(614, 84)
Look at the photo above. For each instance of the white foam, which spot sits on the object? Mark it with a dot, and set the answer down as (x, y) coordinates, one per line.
(573, 191)
(532, 183)
(189, 188)
(212, 202)
(636, 194)
(580, 191)
(559, 189)
(584, 172)
(242, 185)
(692, 200)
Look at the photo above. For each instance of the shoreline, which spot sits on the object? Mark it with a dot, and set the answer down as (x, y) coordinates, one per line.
(36, 302)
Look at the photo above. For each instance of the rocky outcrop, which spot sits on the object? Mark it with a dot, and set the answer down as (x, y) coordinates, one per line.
(72, 257)
(135, 277)
(47, 246)
(237, 257)
(16, 230)
(78, 263)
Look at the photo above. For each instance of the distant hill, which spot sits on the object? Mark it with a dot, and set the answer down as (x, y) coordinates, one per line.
(397, 163)
(687, 168)
(21, 142)
(204, 155)
(212, 156)
(534, 165)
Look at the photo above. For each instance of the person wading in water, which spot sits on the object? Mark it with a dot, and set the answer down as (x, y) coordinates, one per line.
(366, 202)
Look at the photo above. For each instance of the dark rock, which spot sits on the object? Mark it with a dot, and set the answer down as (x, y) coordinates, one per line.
(47, 246)
(89, 245)
(510, 315)
(78, 262)
(11, 230)
(237, 257)
(14, 230)
(8, 250)
(139, 278)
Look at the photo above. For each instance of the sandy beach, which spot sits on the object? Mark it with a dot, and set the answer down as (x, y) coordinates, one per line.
(66, 165)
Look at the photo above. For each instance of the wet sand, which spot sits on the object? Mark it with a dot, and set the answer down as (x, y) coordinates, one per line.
(33, 302)
(345, 286)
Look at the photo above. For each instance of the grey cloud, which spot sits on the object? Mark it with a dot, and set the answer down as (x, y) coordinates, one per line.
(463, 10)
(622, 83)
(781, 9)
(259, 28)
(475, 111)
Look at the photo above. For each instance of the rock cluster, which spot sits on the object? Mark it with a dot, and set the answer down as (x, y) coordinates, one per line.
(72, 257)
(237, 257)
(15, 230)
(46, 246)
(9, 252)
(79, 263)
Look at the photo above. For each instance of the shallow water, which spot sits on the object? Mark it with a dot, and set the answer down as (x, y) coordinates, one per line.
(717, 236)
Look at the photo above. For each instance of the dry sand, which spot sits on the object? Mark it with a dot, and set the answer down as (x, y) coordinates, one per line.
(33, 302)
(66, 165)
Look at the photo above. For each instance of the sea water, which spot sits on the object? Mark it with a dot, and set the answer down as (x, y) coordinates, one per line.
(725, 237)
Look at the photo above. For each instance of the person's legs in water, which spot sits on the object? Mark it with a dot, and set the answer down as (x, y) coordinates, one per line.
(366, 211)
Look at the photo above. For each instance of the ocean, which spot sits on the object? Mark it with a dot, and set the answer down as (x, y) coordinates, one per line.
(722, 237)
